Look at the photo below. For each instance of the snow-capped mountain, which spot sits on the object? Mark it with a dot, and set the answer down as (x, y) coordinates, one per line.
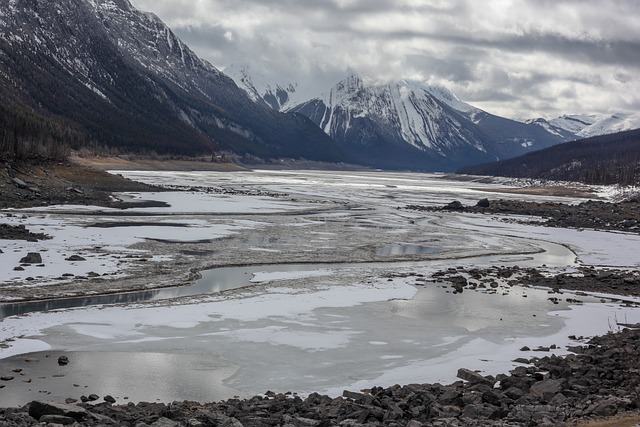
(362, 113)
(578, 126)
(409, 123)
(273, 94)
(124, 78)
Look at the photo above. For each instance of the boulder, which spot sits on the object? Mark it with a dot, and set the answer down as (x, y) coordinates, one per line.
(32, 258)
(454, 206)
(38, 409)
(473, 377)
(353, 395)
(75, 258)
(20, 183)
(540, 388)
(63, 360)
(57, 419)
(483, 203)
(218, 419)
(164, 422)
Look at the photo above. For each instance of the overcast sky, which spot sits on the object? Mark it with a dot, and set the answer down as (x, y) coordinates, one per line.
(516, 58)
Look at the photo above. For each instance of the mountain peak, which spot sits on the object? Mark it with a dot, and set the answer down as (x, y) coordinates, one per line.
(126, 80)
(577, 126)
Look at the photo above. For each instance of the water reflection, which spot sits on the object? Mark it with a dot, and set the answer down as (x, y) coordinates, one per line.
(228, 278)
(406, 249)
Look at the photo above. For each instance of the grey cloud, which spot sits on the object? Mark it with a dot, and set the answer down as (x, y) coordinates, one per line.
(519, 56)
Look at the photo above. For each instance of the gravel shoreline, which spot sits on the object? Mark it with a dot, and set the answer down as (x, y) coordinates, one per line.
(601, 380)
(598, 215)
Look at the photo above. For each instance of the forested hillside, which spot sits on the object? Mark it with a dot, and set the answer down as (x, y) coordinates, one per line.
(26, 135)
(102, 74)
(606, 159)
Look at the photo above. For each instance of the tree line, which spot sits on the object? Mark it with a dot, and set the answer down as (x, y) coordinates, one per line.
(26, 135)
(604, 160)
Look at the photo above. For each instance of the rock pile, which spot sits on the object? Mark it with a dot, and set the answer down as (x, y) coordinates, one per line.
(601, 380)
(584, 279)
(28, 184)
(623, 216)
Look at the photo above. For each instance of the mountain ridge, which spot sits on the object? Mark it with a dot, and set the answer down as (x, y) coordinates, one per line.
(404, 121)
(132, 85)
(585, 126)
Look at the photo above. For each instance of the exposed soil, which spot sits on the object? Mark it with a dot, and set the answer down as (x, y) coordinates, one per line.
(29, 185)
(142, 164)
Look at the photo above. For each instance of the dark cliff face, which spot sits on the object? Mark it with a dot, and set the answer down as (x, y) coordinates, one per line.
(124, 78)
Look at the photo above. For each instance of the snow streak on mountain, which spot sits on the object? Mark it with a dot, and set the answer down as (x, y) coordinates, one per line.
(124, 78)
(404, 122)
(578, 126)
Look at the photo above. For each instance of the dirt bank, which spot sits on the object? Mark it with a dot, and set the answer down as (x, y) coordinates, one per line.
(24, 185)
(142, 164)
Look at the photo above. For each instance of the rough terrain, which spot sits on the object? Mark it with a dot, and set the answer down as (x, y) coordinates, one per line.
(599, 215)
(25, 185)
(600, 380)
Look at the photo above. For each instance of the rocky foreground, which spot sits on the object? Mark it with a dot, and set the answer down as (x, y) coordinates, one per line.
(601, 379)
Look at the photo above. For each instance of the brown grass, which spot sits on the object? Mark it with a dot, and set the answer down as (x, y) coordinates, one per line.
(117, 163)
(622, 421)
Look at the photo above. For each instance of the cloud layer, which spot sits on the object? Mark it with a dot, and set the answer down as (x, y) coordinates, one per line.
(517, 58)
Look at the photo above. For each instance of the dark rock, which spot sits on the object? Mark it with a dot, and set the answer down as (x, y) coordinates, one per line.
(454, 206)
(32, 258)
(353, 395)
(602, 409)
(75, 258)
(473, 377)
(38, 409)
(492, 398)
(483, 203)
(63, 360)
(165, 422)
(219, 419)
(109, 399)
(20, 183)
(57, 419)
(451, 397)
(547, 386)
(74, 190)
(93, 397)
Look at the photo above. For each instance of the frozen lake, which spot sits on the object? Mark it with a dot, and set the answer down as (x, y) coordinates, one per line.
(353, 307)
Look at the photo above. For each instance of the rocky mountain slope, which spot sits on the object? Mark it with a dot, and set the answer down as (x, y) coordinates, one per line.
(128, 83)
(402, 123)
